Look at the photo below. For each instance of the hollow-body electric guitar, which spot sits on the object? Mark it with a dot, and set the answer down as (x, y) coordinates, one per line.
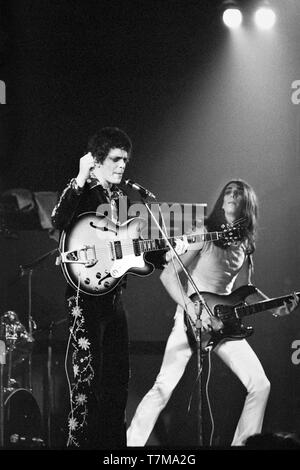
(226, 312)
(96, 253)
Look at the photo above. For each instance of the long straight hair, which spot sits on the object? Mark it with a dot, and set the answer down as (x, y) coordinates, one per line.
(249, 213)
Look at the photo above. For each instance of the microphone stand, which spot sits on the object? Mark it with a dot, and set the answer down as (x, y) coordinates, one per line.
(50, 395)
(50, 386)
(199, 371)
(28, 269)
(2, 364)
(202, 303)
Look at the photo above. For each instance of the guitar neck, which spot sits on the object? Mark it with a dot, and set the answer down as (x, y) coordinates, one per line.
(263, 305)
(161, 244)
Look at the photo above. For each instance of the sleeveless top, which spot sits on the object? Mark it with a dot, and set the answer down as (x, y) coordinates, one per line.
(215, 269)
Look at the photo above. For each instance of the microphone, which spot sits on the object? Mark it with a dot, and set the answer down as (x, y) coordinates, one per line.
(143, 191)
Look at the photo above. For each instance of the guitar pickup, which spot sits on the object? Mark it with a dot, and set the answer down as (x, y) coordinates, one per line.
(85, 255)
(225, 312)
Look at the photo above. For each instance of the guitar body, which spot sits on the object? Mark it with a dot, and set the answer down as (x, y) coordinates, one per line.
(96, 253)
(93, 260)
(224, 323)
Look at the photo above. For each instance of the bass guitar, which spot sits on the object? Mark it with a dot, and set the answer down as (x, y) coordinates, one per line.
(226, 315)
(96, 253)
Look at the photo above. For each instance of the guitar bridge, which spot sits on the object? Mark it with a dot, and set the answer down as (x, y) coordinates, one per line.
(85, 255)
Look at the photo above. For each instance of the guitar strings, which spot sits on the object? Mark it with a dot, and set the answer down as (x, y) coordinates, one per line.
(127, 245)
(197, 235)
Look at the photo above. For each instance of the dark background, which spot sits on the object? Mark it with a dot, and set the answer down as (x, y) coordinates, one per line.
(202, 105)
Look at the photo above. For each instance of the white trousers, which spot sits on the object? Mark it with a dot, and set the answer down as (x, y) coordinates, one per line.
(239, 357)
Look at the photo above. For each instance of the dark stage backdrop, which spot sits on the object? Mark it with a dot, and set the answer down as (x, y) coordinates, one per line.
(202, 106)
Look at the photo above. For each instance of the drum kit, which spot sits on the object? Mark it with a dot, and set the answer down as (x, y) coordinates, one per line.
(21, 422)
(20, 417)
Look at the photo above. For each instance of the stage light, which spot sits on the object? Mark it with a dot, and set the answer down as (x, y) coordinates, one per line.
(232, 15)
(265, 18)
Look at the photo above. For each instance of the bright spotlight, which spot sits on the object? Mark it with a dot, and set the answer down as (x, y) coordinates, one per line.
(265, 18)
(232, 17)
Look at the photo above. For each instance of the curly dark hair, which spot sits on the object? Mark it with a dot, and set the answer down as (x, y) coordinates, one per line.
(249, 213)
(106, 139)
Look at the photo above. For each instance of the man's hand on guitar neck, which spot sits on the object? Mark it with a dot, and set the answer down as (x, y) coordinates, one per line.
(181, 246)
(287, 308)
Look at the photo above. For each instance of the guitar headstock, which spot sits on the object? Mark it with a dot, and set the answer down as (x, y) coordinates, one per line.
(231, 233)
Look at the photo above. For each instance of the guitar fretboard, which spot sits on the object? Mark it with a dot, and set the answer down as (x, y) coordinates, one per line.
(263, 305)
(156, 244)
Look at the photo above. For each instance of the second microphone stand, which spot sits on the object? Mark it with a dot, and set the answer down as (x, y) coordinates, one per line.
(198, 325)
(28, 269)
